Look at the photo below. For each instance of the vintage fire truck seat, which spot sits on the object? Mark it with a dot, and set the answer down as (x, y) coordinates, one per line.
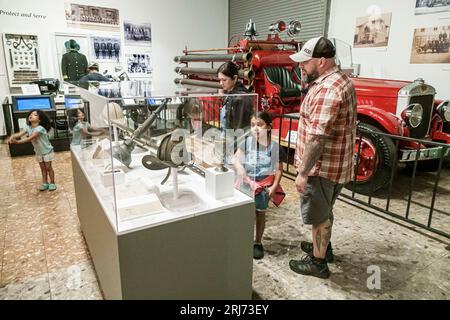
(296, 74)
(279, 83)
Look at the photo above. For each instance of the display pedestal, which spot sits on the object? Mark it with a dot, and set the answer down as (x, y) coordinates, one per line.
(205, 256)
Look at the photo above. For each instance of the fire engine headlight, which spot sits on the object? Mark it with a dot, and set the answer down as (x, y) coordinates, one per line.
(444, 110)
(413, 115)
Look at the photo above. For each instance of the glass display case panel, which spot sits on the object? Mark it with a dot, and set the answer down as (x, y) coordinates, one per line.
(160, 157)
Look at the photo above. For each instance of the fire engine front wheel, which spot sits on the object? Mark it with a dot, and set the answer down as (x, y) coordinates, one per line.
(375, 161)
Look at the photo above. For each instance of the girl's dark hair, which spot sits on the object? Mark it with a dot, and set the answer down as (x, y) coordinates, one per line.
(44, 121)
(265, 116)
(82, 111)
(230, 69)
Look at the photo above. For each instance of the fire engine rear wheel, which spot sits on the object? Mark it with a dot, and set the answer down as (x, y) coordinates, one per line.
(375, 163)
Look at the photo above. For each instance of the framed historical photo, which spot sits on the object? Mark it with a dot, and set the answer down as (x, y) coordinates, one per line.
(138, 64)
(137, 34)
(372, 31)
(431, 45)
(431, 6)
(105, 49)
(92, 17)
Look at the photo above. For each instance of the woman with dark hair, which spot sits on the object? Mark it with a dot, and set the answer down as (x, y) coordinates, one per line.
(236, 111)
(38, 125)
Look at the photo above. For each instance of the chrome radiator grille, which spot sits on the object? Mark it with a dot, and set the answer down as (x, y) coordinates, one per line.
(427, 104)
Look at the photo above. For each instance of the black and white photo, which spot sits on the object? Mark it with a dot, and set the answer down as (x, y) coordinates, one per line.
(92, 17)
(431, 45)
(105, 49)
(137, 33)
(431, 6)
(372, 31)
(139, 64)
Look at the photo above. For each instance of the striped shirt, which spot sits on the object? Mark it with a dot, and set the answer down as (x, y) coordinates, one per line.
(329, 109)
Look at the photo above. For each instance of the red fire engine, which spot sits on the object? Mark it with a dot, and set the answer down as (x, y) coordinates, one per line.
(401, 108)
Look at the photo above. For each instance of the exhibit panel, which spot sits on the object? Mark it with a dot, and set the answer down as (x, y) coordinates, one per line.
(157, 195)
(22, 58)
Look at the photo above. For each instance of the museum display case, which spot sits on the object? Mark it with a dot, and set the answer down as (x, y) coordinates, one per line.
(156, 195)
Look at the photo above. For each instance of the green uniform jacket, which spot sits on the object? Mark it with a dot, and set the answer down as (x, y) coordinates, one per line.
(73, 65)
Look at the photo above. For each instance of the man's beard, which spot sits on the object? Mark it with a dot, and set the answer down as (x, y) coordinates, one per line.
(311, 77)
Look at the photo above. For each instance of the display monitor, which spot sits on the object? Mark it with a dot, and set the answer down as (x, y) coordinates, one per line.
(128, 101)
(155, 101)
(73, 102)
(27, 103)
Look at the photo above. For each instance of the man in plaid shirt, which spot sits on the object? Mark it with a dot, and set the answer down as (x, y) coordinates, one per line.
(324, 154)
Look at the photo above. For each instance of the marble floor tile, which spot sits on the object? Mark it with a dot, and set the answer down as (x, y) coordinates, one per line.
(431, 282)
(269, 284)
(35, 288)
(23, 222)
(76, 282)
(23, 262)
(346, 282)
(64, 249)
(59, 219)
(2, 242)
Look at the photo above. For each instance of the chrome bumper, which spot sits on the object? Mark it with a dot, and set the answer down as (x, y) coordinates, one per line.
(424, 154)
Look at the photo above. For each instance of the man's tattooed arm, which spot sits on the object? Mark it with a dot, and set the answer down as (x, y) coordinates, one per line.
(313, 152)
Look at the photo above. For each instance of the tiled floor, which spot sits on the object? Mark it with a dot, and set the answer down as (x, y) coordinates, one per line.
(43, 254)
(42, 251)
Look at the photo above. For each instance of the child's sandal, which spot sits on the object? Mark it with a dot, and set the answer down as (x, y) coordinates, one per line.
(43, 187)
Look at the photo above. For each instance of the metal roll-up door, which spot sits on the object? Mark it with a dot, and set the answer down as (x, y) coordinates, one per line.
(313, 15)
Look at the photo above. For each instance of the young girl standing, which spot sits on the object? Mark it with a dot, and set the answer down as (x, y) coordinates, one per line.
(83, 129)
(37, 128)
(258, 162)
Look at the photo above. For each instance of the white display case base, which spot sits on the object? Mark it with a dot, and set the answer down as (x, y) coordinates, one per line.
(201, 255)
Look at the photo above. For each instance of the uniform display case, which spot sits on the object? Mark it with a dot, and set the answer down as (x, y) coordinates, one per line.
(156, 198)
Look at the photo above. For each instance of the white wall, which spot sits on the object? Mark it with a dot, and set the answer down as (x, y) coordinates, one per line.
(391, 62)
(175, 24)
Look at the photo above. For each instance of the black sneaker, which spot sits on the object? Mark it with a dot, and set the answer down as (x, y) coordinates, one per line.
(258, 251)
(310, 266)
(307, 247)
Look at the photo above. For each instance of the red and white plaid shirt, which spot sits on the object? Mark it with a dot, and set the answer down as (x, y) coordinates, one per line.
(329, 109)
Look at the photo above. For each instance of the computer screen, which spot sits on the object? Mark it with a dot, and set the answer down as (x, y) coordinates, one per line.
(154, 101)
(73, 103)
(27, 103)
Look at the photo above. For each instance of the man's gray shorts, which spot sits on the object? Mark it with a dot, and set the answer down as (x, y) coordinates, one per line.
(318, 200)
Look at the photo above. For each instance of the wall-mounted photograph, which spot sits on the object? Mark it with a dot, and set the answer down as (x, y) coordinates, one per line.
(372, 31)
(92, 17)
(431, 45)
(105, 49)
(138, 64)
(137, 33)
(431, 6)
